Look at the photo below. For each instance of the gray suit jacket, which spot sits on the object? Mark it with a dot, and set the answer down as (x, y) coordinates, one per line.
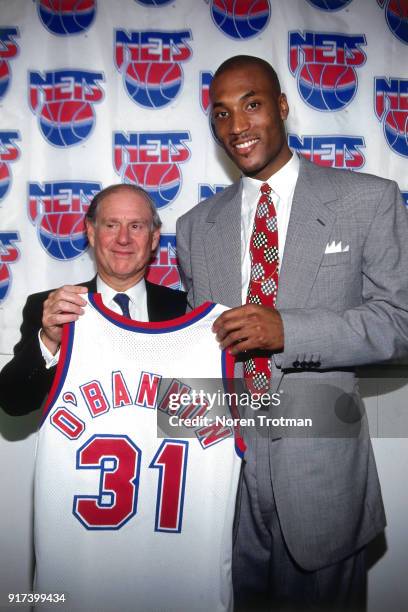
(339, 310)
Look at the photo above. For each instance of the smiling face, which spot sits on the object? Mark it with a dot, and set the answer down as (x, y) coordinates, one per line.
(122, 238)
(248, 114)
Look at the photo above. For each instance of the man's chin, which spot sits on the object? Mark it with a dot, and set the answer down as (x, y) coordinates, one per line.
(248, 166)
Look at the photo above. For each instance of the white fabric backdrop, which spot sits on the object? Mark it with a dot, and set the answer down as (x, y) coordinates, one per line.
(65, 51)
(94, 92)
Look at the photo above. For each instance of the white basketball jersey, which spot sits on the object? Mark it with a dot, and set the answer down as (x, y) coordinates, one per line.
(126, 519)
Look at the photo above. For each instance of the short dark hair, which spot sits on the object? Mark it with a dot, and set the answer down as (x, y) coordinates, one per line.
(91, 213)
(238, 61)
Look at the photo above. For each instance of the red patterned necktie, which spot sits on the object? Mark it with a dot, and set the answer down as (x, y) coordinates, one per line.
(263, 283)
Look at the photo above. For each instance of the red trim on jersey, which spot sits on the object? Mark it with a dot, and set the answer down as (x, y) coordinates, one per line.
(68, 331)
(228, 373)
(151, 326)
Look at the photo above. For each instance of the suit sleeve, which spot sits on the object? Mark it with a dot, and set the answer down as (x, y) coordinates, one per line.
(25, 381)
(183, 256)
(375, 330)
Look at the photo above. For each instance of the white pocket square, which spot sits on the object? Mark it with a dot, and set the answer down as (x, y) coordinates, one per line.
(336, 247)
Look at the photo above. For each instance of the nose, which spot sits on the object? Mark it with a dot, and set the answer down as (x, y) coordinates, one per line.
(123, 234)
(239, 122)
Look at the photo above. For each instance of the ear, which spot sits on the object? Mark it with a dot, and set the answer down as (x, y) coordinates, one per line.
(155, 239)
(283, 106)
(90, 232)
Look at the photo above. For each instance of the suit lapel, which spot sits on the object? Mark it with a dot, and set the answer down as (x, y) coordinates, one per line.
(158, 309)
(222, 246)
(309, 230)
(90, 285)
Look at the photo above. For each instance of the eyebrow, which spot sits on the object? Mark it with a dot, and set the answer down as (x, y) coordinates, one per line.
(118, 220)
(249, 94)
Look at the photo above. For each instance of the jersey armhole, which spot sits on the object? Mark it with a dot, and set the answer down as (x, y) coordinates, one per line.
(67, 340)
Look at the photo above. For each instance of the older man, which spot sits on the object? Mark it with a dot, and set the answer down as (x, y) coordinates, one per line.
(123, 229)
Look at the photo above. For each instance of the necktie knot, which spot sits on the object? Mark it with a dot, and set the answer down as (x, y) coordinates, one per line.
(122, 300)
(265, 189)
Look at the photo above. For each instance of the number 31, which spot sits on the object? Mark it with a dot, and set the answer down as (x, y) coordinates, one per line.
(118, 459)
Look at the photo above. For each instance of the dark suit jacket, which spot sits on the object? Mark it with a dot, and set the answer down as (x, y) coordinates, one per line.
(25, 382)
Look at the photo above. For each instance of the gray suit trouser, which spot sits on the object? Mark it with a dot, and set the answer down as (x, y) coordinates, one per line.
(265, 575)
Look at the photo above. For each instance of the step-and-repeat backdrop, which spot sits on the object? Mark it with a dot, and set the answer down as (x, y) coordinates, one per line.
(94, 92)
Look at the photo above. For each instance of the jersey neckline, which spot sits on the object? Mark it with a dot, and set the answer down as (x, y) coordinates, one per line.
(150, 327)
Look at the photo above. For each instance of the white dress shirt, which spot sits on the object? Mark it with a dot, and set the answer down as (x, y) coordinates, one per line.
(283, 185)
(137, 308)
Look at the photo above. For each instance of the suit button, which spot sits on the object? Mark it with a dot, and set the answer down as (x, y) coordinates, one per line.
(303, 364)
(317, 364)
(296, 364)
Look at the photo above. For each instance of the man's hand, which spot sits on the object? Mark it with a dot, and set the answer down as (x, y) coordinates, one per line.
(61, 306)
(249, 327)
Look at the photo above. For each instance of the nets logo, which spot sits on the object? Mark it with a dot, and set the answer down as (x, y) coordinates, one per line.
(396, 14)
(151, 160)
(240, 18)
(391, 107)
(150, 63)
(8, 255)
(329, 5)
(324, 65)
(405, 197)
(154, 2)
(9, 152)
(8, 50)
(205, 190)
(65, 17)
(58, 210)
(163, 270)
(63, 102)
(205, 82)
(332, 150)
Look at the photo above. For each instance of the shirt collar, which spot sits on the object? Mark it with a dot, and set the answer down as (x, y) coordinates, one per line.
(135, 293)
(282, 182)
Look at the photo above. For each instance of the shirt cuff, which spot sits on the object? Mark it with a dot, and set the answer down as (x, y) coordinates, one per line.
(50, 359)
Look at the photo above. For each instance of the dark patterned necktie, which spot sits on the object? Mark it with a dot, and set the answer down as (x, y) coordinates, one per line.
(122, 300)
(263, 283)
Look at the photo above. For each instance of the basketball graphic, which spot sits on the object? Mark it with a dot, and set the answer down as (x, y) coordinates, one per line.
(150, 64)
(396, 130)
(63, 102)
(9, 153)
(63, 235)
(58, 212)
(65, 17)
(396, 14)
(163, 269)
(153, 2)
(4, 77)
(241, 18)
(67, 122)
(5, 178)
(324, 65)
(391, 108)
(152, 161)
(329, 5)
(8, 255)
(161, 181)
(153, 84)
(8, 50)
(327, 87)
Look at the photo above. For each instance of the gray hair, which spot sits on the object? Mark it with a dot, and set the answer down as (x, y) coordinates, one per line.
(91, 214)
